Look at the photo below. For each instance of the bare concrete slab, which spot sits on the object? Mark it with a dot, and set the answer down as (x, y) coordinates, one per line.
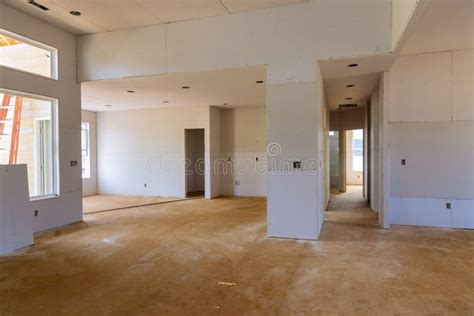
(213, 257)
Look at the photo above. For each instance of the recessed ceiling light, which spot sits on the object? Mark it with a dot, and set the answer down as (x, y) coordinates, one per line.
(259, 81)
(352, 65)
(108, 105)
(130, 91)
(75, 13)
(348, 98)
(186, 87)
(349, 86)
(225, 104)
(165, 101)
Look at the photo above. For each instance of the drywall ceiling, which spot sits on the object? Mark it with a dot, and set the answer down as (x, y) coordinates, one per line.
(445, 25)
(337, 75)
(109, 15)
(234, 88)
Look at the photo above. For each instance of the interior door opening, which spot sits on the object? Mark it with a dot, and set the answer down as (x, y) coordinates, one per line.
(194, 162)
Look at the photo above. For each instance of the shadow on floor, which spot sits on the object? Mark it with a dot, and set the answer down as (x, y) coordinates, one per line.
(107, 202)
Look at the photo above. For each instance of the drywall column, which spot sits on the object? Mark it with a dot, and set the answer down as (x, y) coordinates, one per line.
(384, 160)
(293, 122)
(342, 160)
(213, 177)
(374, 149)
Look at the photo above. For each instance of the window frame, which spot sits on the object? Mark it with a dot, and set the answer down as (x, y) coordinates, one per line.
(55, 141)
(53, 54)
(353, 150)
(88, 137)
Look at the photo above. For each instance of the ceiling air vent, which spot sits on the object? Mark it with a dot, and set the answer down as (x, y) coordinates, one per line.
(347, 106)
(36, 4)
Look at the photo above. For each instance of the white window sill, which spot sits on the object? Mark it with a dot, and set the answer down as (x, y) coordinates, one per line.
(43, 197)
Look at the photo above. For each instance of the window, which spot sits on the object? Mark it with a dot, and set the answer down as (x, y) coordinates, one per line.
(28, 135)
(357, 150)
(85, 148)
(27, 55)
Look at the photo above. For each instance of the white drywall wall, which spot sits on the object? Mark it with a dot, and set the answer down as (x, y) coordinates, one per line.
(289, 40)
(347, 120)
(214, 136)
(89, 186)
(293, 193)
(67, 208)
(402, 11)
(288, 36)
(431, 126)
(375, 104)
(147, 147)
(16, 215)
(334, 159)
(243, 140)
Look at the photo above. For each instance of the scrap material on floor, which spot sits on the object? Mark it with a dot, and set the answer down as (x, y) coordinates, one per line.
(212, 256)
(106, 202)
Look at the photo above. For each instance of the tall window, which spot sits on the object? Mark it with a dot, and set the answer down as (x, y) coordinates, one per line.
(28, 135)
(86, 153)
(27, 55)
(357, 150)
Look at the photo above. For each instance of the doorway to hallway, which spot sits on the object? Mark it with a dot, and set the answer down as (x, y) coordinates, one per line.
(350, 208)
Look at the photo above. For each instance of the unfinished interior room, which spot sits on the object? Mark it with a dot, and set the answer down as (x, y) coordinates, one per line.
(236, 157)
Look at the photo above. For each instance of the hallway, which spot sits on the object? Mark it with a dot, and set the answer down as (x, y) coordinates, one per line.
(350, 208)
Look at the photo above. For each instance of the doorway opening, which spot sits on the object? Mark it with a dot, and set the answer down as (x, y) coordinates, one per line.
(348, 205)
(354, 157)
(194, 162)
(346, 159)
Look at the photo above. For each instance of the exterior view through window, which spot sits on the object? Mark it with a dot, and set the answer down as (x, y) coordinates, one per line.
(357, 150)
(27, 55)
(28, 127)
(85, 148)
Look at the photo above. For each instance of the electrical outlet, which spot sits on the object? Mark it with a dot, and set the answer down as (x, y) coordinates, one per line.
(73, 163)
(256, 158)
(297, 164)
(144, 185)
(404, 162)
(237, 182)
(35, 213)
(448, 205)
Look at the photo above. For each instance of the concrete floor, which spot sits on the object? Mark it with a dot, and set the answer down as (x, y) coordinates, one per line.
(212, 257)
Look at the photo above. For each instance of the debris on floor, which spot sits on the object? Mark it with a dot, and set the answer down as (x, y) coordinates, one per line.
(227, 283)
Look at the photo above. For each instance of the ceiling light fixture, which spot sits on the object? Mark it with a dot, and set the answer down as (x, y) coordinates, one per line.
(108, 105)
(130, 91)
(75, 13)
(259, 81)
(186, 87)
(352, 65)
(348, 98)
(225, 104)
(349, 86)
(165, 101)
